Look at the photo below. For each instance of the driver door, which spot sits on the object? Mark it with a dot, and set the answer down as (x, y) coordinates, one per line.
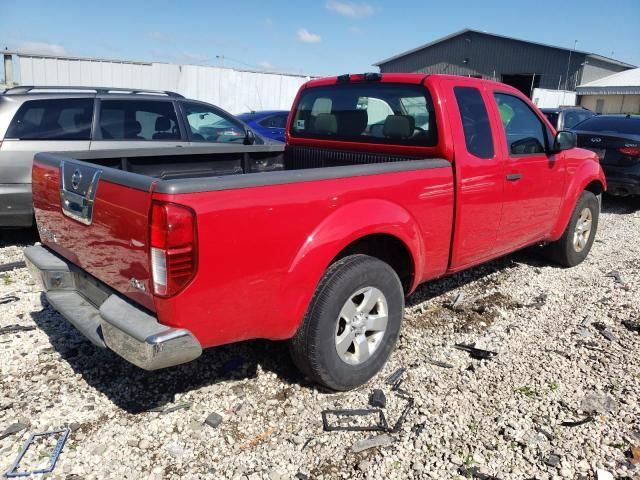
(533, 179)
(207, 124)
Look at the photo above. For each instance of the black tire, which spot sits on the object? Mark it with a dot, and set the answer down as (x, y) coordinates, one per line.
(313, 348)
(563, 251)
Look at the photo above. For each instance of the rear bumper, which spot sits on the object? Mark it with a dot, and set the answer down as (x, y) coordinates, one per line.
(105, 318)
(16, 209)
(622, 181)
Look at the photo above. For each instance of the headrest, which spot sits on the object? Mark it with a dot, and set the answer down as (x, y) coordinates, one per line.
(163, 124)
(81, 120)
(133, 127)
(398, 126)
(352, 122)
(325, 123)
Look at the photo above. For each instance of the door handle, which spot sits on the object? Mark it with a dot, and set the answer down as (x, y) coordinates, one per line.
(514, 177)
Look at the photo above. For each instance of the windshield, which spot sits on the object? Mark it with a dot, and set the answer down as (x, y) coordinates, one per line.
(365, 112)
(627, 125)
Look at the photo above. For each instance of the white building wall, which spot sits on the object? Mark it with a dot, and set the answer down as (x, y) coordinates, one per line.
(545, 98)
(233, 90)
(611, 103)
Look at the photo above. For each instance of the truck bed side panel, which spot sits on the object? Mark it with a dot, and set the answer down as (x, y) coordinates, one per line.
(252, 239)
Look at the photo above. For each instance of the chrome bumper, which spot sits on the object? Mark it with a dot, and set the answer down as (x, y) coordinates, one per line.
(105, 318)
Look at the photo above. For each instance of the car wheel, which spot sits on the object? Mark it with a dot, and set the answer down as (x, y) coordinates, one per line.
(352, 323)
(576, 241)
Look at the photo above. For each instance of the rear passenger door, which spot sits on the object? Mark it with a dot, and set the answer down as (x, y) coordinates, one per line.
(44, 125)
(479, 175)
(137, 123)
(533, 178)
(207, 124)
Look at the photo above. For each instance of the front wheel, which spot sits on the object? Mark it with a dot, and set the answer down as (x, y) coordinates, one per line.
(352, 323)
(576, 241)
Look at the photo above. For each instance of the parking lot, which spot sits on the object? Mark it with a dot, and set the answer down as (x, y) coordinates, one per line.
(563, 355)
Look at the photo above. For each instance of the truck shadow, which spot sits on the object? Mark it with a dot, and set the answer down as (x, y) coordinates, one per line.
(620, 205)
(135, 390)
(18, 237)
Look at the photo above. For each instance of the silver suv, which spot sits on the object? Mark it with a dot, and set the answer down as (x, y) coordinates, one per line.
(37, 119)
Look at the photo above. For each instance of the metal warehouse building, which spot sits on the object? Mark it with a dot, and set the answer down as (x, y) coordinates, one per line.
(520, 63)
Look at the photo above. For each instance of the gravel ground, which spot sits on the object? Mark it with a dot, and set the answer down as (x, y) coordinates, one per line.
(480, 418)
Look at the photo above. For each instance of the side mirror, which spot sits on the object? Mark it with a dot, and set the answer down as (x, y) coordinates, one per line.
(564, 141)
(250, 137)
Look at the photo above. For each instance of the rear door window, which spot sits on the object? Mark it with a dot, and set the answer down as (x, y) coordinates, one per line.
(475, 122)
(524, 130)
(574, 117)
(138, 120)
(60, 119)
(367, 112)
(276, 121)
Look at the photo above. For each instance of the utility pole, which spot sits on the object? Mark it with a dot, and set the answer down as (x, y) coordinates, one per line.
(566, 78)
(221, 58)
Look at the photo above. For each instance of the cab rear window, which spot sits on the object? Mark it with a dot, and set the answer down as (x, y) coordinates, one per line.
(366, 112)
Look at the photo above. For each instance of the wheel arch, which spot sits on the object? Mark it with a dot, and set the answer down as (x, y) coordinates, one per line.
(375, 227)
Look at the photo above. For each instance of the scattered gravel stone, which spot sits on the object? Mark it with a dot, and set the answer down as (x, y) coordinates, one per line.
(13, 428)
(598, 403)
(552, 460)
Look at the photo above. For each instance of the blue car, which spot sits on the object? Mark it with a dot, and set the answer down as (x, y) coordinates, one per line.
(268, 123)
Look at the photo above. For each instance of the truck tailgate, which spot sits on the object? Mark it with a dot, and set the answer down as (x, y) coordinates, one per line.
(89, 216)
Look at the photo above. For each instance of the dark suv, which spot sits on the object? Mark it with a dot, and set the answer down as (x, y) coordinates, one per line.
(563, 118)
(37, 119)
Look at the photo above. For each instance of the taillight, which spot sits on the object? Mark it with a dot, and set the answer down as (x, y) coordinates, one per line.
(630, 151)
(173, 247)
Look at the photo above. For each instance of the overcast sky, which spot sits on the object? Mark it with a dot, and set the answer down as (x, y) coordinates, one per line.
(314, 37)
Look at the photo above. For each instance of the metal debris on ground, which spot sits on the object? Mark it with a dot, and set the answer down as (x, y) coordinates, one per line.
(378, 399)
(53, 458)
(380, 425)
(457, 304)
(539, 301)
(13, 428)
(476, 353)
(395, 376)
(577, 423)
(8, 299)
(403, 415)
(258, 439)
(7, 267)
(475, 473)
(604, 331)
(213, 420)
(382, 440)
(418, 428)
(615, 275)
(16, 328)
(164, 409)
(438, 363)
(631, 325)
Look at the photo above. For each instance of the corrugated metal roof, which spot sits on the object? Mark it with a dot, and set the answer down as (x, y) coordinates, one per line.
(470, 30)
(622, 83)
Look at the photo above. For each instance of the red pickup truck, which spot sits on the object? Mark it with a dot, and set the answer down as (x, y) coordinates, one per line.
(386, 181)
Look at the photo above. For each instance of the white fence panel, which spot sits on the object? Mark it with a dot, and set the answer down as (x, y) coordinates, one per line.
(234, 90)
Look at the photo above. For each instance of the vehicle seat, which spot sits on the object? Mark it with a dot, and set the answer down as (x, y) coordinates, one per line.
(163, 125)
(132, 130)
(398, 126)
(326, 124)
(352, 123)
(82, 123)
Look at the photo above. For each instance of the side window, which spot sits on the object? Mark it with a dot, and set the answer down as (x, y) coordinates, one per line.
(276, 121)
(524, 131)
(475, 122)
(138, 120)
(68, 119)
(209, 125)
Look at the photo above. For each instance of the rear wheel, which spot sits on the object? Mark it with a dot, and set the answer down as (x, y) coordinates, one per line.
(576, 241)
(352, 323)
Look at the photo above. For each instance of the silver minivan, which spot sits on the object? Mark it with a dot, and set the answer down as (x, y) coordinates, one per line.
(50, 119)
